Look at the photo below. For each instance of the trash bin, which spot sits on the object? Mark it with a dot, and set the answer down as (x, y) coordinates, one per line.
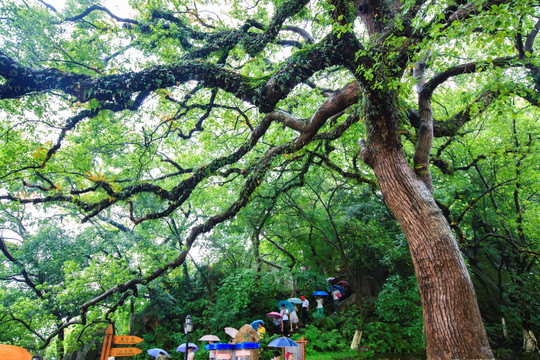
(245, 350)
(221, 351)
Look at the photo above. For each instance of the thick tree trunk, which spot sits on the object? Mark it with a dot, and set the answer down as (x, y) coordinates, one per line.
(60, 344)
(453, 325)
(452, 321)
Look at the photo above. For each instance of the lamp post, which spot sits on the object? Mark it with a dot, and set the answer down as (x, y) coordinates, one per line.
(188, 327)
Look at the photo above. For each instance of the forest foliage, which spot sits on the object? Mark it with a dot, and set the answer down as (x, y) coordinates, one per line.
(168, 161)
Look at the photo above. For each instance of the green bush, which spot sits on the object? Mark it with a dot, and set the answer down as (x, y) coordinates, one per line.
(323, 340)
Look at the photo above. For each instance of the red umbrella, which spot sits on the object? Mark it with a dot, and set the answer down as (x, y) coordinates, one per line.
(344, 283)
(274, 314)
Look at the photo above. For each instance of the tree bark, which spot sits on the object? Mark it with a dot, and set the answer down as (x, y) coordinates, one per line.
(453, 325)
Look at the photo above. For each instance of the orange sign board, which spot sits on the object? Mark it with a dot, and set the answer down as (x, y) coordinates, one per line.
(126, 339)
(124, 351)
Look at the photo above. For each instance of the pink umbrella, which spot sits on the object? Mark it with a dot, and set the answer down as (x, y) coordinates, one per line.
(231, 331)
(274, 314)
(344, 283)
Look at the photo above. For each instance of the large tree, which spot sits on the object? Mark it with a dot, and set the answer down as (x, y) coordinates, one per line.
(200, 106)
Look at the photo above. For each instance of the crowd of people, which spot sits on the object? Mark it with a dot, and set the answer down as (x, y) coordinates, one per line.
(285, 322)
(288, 321)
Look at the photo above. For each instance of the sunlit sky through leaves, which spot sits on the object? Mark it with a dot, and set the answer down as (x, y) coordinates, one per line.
(117, 7)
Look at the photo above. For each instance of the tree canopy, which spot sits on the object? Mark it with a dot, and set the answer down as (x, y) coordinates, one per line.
(269, 125)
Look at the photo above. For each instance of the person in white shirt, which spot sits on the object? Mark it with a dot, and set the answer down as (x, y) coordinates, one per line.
(285, 321)
(305, 310)
(320, 307)
(336, 294)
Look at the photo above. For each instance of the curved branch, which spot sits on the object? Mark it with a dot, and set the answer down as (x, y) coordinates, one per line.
(459, 12)
(335, 104)
(27, 326)
(529, 41)
(288, 120)
(425, 128)
(287, 9)
(27, 280)
(474, 201)
(302, 32)
(430, 86)
(49, 6)
(100, 8)
(511, 242)
(263, 93)
(282, 249)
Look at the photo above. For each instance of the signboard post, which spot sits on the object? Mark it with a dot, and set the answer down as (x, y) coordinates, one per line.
(110, 339)
(107, 343)
(302, 344)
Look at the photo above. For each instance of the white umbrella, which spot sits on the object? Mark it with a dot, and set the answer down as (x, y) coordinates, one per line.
(209, 338)
(231, 331)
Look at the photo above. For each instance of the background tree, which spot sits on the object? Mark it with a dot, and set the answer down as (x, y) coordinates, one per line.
(194, 110)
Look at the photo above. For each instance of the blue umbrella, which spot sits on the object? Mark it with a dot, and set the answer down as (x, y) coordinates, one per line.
(256, 323)
(289, 306)
(155, 352)
(341, 290)
(282, 342)
(295, 301)
(182, 347)
(320, 293)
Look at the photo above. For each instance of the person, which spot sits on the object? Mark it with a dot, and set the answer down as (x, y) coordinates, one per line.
(285, 321)
(320, 308)
(277, 355)
(191, 354)
(336, 294)
(262, 331)
(277, 325)
(305, 310)
(294, 318)
(162, 356)
(289, 356)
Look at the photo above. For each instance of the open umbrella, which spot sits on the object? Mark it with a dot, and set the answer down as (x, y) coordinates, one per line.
(231, 331)
(14, 353)
(155, 352)
(182, 348)
(330, 279)
(282, 342)
(255, 324)
(289, 306)
(274, 314)
(209, 338)
(320, 293)
(341, 290)
(344, 283)
(295, 300)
